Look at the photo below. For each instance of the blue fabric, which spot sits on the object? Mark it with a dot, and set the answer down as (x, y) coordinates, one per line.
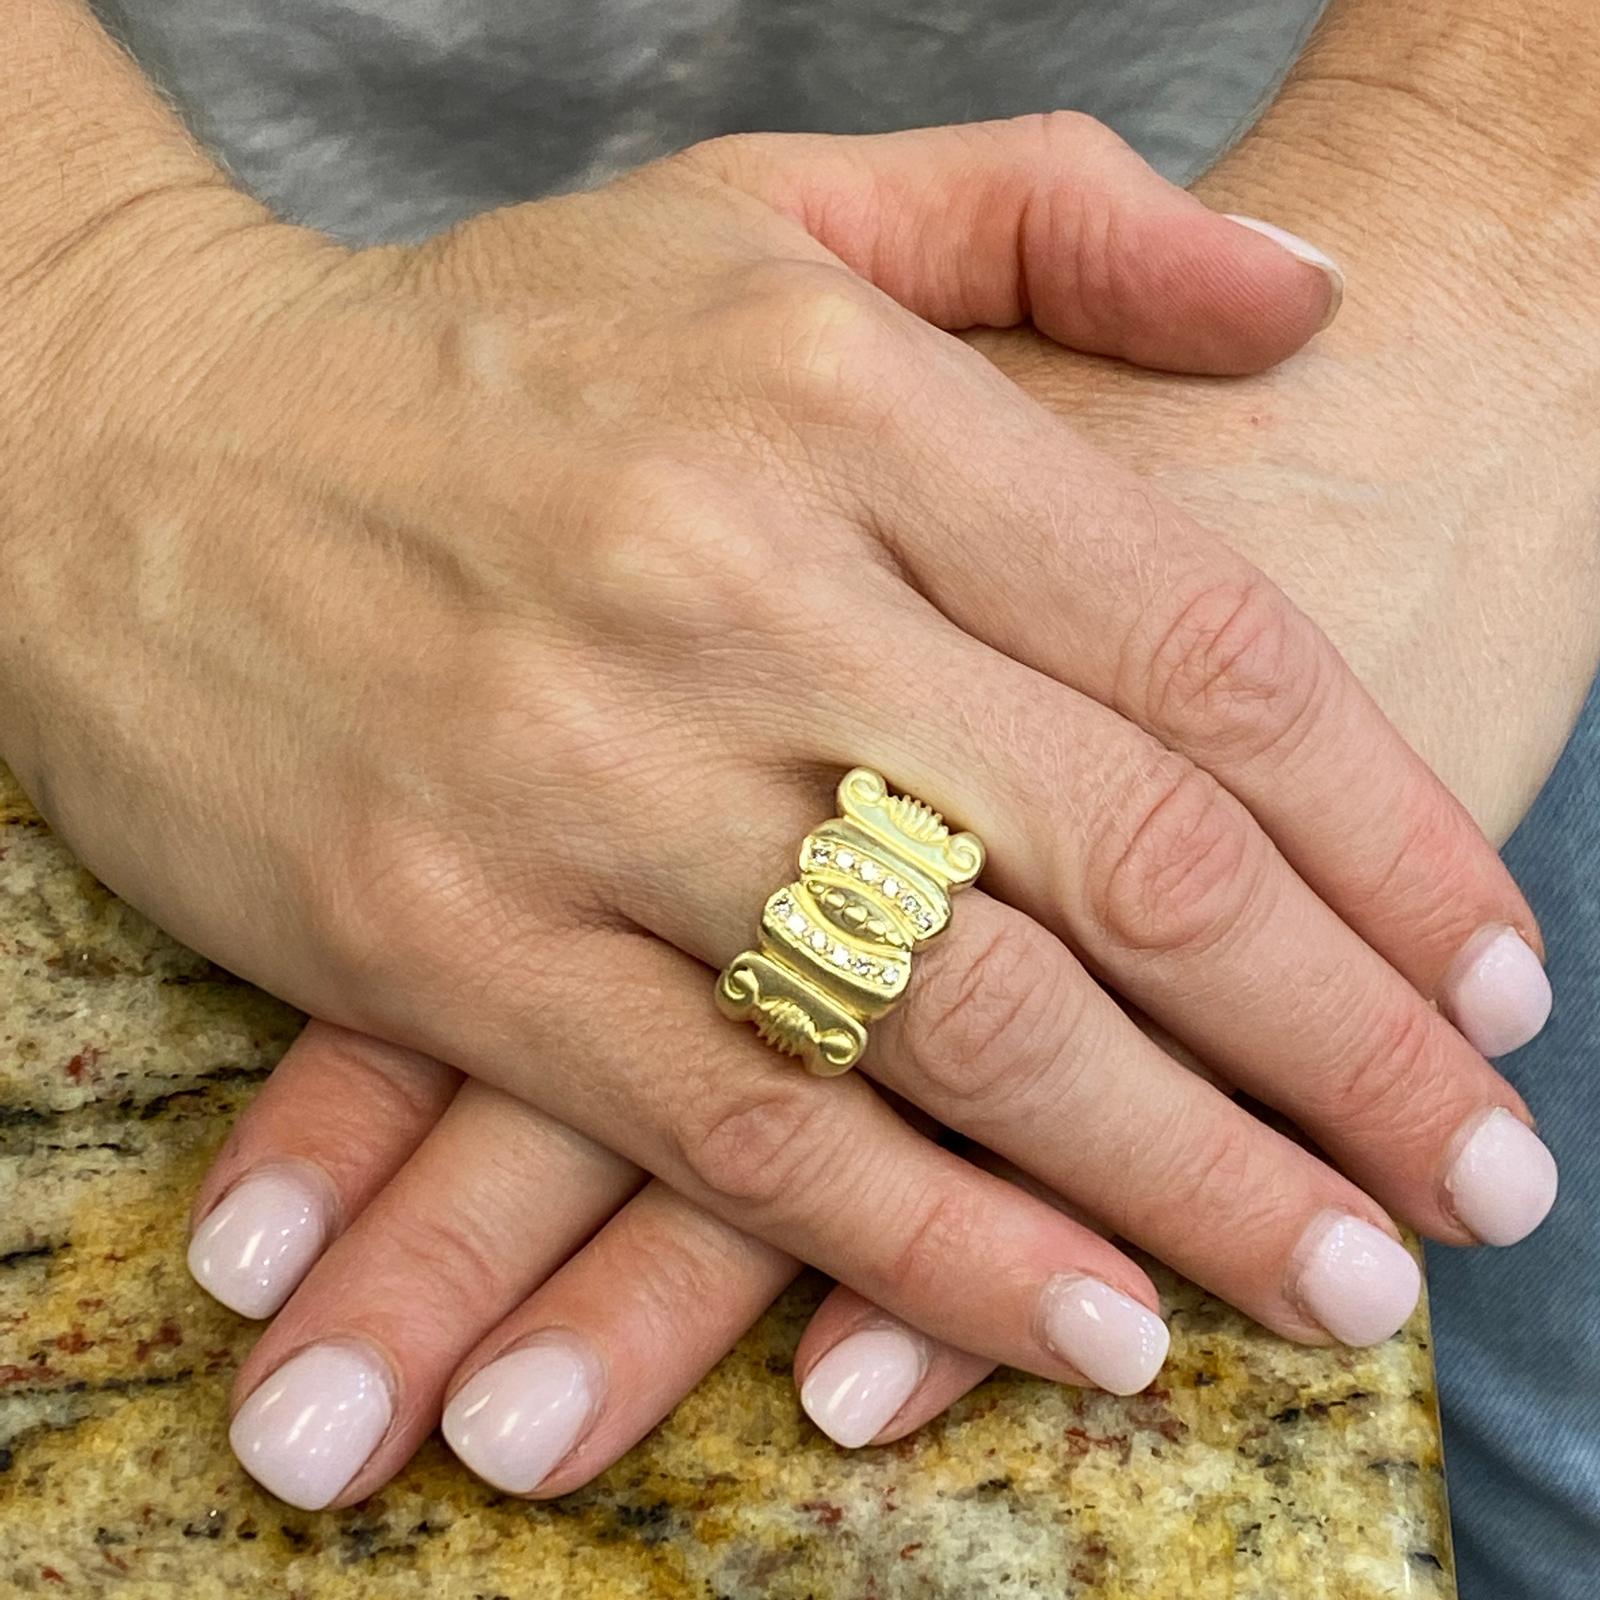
(1518, 1331)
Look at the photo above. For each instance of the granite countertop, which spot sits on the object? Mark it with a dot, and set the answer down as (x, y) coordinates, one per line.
(1252, 1471)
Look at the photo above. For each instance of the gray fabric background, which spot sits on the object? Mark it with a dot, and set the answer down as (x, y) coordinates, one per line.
(388, 119)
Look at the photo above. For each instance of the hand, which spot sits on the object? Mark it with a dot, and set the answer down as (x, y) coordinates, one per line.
(1364, 565)
(796, 450)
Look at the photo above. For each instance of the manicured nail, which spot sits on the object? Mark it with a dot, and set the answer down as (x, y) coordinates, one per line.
(1301, 250)
(853, 1391)
(1354, 1280)
(260, 1240)
(1503, 1182)
(518, 1418)
(309, 1428)
(1111, 1339)
(1496, 992)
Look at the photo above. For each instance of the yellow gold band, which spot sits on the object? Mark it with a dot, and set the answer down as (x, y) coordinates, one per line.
(836, 944)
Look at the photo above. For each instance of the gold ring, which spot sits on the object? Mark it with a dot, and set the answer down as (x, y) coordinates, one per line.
(836, 944)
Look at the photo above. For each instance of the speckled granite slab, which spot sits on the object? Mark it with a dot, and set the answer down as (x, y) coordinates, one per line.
(1255, 1471)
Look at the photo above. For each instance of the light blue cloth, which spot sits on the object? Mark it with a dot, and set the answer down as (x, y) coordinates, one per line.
(1517, 1332)
(385, 119)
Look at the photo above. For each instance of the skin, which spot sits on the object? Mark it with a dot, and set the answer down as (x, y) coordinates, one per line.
(377, 953)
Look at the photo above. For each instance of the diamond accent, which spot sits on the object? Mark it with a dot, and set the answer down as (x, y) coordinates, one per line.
(873, 872)
(806, 932)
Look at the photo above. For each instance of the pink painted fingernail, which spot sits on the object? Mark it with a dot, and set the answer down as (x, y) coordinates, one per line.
(518, 1418)
(1354, 1280)
(1497, 992)
(309, 1428)
(260, 1240)
(1503, 1181)
(1109, 1337)
(853, 1391)
(1301, 250)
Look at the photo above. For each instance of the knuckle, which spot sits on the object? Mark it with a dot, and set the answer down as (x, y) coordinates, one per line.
(645, 514)
(391, 893)
(1213, 1183)
(674, 1280)
(938, 1230)
(381, 1085)
(1396, 1083)
(1179, 865)
(811, 337)
(662, 542)
(1072, 134)
(728, 156)
(450, 1259)
(678, 1271)
(1433, 840)
(1236, 670)
(757, 1149)
(985, 1024)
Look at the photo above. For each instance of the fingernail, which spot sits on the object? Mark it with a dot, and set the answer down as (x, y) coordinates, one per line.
(1354, 1280)
(260, 1240)
(1301, 250)
(1503, 1182)
(1111, 1339)
(1497, 992)
(853, 1391)
(518, 1418)
(309, 1428)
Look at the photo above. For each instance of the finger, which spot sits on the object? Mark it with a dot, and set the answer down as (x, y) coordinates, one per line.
(821, 1169)
(1004, 1037)
(867, 1378)
(337, 1118)
(1156, 873)
(602, 1351)
(1142, 862)
(1051, 217)
(347, 1381)
(1092, 580)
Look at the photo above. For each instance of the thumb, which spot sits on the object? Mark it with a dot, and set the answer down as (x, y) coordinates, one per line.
(1052, 218)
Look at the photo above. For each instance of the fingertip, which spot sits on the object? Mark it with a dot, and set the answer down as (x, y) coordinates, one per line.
(253, 1248)
(1497, 992)
(517, 1419)
(1354, 1280)
(1115, 1341)
(1247, 294)
(854, 1391)
(1306, 253)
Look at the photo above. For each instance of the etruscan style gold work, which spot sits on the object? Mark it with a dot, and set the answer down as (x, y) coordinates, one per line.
(836, 944)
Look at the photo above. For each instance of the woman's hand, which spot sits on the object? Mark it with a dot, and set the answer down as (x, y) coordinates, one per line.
(462, 645)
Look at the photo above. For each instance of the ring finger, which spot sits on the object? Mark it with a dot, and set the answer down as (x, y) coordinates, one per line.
(1164, 883)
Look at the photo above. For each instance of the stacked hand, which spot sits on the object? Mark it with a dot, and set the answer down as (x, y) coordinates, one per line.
(464, 640)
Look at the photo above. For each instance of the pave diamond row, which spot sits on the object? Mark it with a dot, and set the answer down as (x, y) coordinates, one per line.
(824, 853)
(808, 933)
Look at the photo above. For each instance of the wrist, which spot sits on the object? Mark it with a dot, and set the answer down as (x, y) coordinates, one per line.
(1448, 157)
(1450, 152)
(100, 189)
(83, 132)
